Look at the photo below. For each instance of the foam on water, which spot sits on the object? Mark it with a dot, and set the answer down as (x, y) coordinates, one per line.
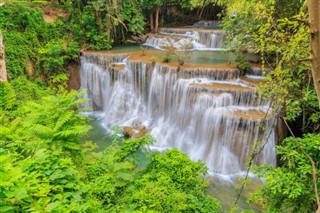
(190, 39)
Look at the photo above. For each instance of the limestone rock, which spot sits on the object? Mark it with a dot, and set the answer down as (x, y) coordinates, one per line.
(3, 71)
(135, 131)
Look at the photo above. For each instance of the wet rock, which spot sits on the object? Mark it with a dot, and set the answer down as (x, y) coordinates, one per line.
(116, 67)
(135, 131)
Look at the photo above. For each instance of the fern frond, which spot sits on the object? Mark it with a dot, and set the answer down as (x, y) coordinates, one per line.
(126, 176)
(41, 131)
(4, 131)
(76, 131)
(7, 96)
(72, 146)
(122, 166)
(64, 118)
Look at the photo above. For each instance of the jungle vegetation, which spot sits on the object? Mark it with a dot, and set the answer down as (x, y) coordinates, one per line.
(45, 165)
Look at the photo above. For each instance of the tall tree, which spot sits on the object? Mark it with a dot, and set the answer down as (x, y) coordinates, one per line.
(153, 8)
(314, 19)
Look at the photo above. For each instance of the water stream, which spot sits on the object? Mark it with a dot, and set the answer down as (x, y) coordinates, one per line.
(190, 38)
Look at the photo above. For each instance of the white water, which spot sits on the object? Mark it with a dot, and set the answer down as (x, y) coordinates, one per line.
(217, 125)
(184, 38)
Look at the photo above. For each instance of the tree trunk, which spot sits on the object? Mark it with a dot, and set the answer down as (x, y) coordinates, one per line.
(3, 70)
(156, 26)
(202, 9)
(314, 19)
(151, 22)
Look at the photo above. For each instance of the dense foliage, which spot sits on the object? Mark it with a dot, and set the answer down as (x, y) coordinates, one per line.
(98, 24)
(281, 37)
(288, 185)
(278, 31)
(46, 167)
(42, 40)
(33, 45)
(170, 183)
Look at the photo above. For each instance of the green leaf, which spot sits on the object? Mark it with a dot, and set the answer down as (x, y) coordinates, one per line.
(52, 206)
(6, 209)
(21, 194)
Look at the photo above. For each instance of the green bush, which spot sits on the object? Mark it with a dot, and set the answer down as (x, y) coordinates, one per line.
(166, 58)
(288, 185)
(171, 182)
(241, 62)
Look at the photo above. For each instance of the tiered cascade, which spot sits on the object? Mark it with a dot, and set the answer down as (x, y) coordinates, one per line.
(187, 38)
(209, 113)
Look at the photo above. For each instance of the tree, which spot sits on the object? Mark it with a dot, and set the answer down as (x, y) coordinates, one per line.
(314, 19)
(153, 9)
(200, 4)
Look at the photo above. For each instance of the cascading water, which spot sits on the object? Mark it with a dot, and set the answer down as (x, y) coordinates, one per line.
(187, 38)
(208, 113)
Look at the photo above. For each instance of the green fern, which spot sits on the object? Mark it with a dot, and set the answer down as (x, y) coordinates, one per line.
(65, 117)
(53, 120)
(7, 97)
(71, 146)
(42, 132)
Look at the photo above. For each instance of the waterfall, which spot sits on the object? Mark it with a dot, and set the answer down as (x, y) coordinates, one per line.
(207, 113)
(196, 39)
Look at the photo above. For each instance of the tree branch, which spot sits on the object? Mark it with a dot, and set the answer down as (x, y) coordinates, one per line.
(255, 152)
(306, 59)
(314, 171)
(303, 21)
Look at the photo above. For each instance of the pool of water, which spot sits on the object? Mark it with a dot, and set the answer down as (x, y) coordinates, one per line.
(129, 48)
(194, 57)
(225, 192)
(98, 135)
(211, 57)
